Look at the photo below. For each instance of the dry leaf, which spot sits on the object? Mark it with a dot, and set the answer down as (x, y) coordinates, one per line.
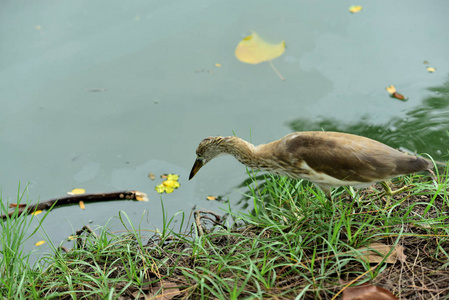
(77, 192)
(39, 243)
(430, 69)
(35, 213)
(392, 90)
(367, 291)
(163, 291)
(253, 50)
(355, 8)
(376, 252)
(151, 176)
(217, 65)
(211, 198)
(82, 206)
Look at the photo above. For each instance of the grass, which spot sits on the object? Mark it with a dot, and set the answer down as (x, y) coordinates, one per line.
(293, 244)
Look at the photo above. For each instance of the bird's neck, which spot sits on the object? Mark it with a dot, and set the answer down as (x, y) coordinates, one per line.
(242, 150)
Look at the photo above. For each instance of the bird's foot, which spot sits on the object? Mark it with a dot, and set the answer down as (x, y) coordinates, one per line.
(388, 193)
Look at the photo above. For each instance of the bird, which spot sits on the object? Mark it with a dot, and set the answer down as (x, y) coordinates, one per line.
(327, 159)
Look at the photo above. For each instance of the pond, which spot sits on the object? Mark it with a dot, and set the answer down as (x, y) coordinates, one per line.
(98, 94)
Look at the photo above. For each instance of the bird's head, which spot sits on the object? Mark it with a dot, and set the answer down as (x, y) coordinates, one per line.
(208, 149)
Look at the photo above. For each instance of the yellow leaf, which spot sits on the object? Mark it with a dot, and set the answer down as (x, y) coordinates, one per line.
(172, 177)
(39, 243)
(253, 50)
(82, 206)
(35, 213)
(355, 8)
(72, 237)
(38, 27)
(211, 198)
(391, 89)
(171, 184)
(160, 188)
(77, 192)
(217, 65)
(430, 69)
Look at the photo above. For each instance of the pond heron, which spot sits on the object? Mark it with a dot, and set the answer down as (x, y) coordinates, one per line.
(327, 159)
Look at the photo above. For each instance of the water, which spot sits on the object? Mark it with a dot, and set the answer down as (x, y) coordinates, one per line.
(97, 94)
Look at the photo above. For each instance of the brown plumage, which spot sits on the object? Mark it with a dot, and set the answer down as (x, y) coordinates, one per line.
(328, 159)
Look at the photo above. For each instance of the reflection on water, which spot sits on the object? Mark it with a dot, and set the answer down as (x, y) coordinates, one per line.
(423, 130)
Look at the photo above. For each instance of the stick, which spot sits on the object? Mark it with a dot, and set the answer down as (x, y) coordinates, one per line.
(128, 195)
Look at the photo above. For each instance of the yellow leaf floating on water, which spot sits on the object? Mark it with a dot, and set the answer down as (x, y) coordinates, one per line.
(172, 177)
(160, 188)
(77, 192)
(35, 213)
(392, 90)
(253, 50)
(355, 8)
(40, 243)
(82, 206)
(217, 65)
(430, 69)
(169, 185)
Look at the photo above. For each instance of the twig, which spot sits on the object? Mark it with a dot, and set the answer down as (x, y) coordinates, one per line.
(276, 71)
(122, 195)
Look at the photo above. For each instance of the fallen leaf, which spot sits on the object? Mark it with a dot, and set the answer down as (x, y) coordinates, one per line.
(253, 50)
(217, 65)
(39, 243)
(367, 291)
(169, 190)
(376, 252)
(77, 192)
(211, 198)
(163, 291)
(171, 184)
(430, 69)
(35, 213)
(82, 206)
(355, 8)
(151, 176)
(172, 177)
(160, 188)
(392, 90)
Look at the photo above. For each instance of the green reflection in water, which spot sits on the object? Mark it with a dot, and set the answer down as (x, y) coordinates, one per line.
(424, 129)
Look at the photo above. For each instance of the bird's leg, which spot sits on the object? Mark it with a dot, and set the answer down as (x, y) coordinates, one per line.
(389, 193)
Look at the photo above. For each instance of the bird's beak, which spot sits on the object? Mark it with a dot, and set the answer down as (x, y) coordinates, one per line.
(196, 166)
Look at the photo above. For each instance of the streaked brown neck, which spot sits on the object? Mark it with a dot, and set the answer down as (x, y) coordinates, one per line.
(241, 150)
